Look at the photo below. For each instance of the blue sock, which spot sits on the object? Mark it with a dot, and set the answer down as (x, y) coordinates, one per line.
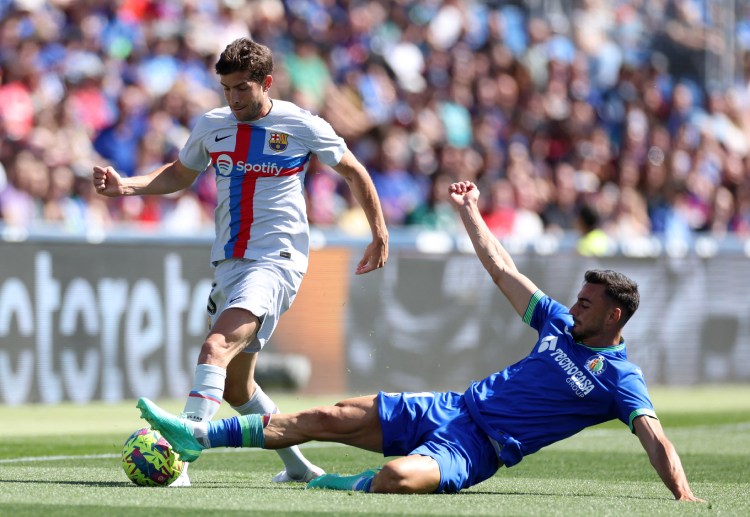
(225, 433)
(364, 484)
(237, 431)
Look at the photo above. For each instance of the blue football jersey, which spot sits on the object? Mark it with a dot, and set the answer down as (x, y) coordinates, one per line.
(560, 388)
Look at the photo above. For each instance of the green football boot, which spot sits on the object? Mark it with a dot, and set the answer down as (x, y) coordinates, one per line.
(177, 431)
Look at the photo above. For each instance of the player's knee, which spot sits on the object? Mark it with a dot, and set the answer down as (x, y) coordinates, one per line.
(393, 479)
(408, 475)
(215, 350)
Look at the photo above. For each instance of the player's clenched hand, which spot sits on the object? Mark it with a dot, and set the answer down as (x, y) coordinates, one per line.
(107, 181)
(375, 257)
(463, 192)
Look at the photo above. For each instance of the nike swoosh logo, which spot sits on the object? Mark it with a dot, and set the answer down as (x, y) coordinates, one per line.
(217, 139)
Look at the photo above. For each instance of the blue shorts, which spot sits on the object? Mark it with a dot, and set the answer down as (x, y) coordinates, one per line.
(437, 425)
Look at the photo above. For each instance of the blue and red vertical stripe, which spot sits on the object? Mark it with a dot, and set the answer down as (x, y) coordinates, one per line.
(249, 147)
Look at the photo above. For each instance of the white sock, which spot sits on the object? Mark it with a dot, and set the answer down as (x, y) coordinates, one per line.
(200, 432)
(206, 394)
(295, 463)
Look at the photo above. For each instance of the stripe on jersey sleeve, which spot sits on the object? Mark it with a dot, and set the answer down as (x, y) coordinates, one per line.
(538, 295)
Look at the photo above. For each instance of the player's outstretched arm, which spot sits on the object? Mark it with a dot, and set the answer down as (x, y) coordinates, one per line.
(494, 257)
(168, 178)
(355, 174)
(663, 457)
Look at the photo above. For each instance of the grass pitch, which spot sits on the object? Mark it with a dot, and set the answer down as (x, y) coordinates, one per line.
(65, 460)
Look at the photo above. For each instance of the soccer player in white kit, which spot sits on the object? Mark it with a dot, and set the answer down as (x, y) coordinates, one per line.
(259, 149)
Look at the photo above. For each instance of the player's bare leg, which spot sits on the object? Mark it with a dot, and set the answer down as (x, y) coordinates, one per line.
(230, 334)
(352, 422)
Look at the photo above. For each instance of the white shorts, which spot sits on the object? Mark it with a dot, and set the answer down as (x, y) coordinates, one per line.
(264, 289)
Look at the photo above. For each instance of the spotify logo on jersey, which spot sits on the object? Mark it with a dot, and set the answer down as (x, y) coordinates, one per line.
(224, 165)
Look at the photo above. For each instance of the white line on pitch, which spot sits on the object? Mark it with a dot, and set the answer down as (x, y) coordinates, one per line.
(33, 459)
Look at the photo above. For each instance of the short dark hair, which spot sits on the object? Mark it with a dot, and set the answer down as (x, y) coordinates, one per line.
(589, 217)
(621, 289)
(246, 55)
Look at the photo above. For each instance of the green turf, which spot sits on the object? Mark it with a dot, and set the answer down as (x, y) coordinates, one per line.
(64, 460)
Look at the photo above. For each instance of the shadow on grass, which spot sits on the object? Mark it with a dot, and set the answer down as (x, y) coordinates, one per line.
(566, 494)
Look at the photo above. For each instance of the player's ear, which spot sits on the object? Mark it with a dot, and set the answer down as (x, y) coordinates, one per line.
(267, 82)
(615, 315)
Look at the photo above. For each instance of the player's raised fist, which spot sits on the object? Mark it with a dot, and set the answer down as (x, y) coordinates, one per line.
(107, 181)
(463, 192)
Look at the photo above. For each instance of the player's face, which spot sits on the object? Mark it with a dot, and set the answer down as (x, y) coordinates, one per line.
(590, 312)
(247, 99)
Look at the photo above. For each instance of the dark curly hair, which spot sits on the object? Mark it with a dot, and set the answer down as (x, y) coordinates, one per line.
(619, 288)
(246, 55)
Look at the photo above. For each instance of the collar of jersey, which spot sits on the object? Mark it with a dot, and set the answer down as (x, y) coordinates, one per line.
(615, 348)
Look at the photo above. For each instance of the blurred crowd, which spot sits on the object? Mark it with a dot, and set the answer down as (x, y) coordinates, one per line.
(587, 116)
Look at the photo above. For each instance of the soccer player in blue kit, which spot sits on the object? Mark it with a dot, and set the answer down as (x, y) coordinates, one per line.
(577, 375)
(260, 150)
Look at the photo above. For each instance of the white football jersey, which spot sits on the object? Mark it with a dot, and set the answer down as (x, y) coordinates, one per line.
(260, 169)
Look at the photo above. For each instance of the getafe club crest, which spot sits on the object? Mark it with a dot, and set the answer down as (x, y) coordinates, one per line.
(278, 141)
(596, 364)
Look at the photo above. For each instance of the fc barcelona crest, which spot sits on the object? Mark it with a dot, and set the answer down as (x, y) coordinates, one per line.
(278, 141)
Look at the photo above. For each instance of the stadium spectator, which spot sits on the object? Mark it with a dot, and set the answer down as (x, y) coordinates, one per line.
(630, 219)
(435, 213)
(560, 212)
(594, 242)
(592, 87)
(27, 183)
(500, 216)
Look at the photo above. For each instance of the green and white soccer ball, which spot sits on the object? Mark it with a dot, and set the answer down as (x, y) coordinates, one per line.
(148, 459)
